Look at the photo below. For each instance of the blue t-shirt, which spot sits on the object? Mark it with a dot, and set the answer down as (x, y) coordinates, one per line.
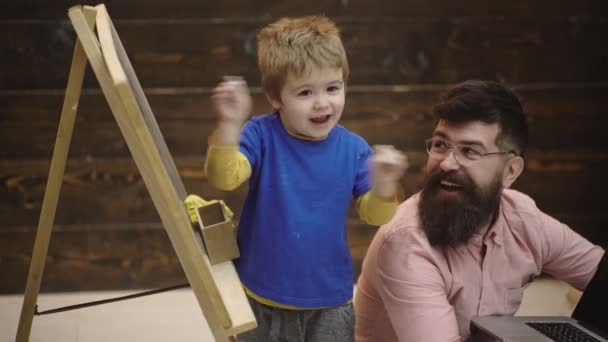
(292, 230)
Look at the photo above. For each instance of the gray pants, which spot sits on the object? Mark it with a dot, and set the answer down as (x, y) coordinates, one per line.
(318, 325)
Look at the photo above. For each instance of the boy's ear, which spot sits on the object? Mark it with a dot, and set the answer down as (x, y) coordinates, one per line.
(275, 103)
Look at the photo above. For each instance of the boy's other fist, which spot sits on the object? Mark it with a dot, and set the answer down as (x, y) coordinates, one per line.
(387, 166)
(232, 100)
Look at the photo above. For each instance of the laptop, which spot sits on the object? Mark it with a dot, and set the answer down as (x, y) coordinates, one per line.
(589, 321)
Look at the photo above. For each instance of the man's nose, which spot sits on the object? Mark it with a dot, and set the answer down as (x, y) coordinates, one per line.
(449, 163)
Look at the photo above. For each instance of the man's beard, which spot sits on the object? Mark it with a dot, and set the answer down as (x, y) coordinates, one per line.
(452, 221)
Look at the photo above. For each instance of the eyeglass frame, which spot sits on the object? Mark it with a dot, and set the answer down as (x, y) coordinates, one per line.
(453, 147)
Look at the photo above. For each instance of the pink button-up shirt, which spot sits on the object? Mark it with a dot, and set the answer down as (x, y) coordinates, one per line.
(410, 291)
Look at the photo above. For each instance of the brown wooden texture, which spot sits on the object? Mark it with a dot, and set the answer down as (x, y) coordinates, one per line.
(94, 257)
(403, 54)
(111, 191)
(382, 116)
(186, 53)
(137, 9)
(102, 257)
(104, 190)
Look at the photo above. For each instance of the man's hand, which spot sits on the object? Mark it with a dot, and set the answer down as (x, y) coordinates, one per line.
(387, 166)
(193, 201)
(233, 104)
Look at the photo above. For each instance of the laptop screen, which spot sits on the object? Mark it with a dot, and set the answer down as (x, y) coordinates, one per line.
(592, 309)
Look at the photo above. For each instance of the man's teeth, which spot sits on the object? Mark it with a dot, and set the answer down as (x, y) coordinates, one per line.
(446, 183)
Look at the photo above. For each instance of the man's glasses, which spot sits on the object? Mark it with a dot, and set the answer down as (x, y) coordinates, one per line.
(465, 155)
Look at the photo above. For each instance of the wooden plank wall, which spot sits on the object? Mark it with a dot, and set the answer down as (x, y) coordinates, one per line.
(403, 54)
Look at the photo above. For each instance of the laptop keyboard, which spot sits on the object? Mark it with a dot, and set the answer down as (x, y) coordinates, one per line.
(562, 332)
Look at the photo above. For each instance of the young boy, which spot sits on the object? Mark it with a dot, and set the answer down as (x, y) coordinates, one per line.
(303, 169)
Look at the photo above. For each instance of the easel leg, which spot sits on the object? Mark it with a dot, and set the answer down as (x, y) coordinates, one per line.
(145, 152)
(53, 187)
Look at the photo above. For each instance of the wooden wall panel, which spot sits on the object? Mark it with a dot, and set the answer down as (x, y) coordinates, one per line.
(112, 192)
(137, 9)
(544, 99)
(194, 53)
(142, 257)
(96, 258)
(382, 116)
(403, 54)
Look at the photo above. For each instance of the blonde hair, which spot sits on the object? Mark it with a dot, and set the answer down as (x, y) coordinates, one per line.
(296, 45)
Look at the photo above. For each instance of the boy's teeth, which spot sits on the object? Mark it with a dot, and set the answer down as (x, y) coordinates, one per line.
(320, 118)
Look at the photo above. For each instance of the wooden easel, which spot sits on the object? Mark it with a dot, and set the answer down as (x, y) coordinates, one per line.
(216, 287)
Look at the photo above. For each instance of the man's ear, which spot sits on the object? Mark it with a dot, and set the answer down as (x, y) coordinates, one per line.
(275, 103)
(513, 168)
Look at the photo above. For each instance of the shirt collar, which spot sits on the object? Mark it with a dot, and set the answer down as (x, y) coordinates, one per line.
(493, 234)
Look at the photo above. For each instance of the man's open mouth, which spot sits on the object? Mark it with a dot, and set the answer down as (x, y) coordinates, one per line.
(449, 186)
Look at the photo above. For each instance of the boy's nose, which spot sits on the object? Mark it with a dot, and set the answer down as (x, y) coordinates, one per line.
(321, 101)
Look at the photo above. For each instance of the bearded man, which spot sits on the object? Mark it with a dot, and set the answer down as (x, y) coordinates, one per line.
(466, 245)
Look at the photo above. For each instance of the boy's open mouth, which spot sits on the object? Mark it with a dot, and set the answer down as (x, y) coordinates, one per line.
(320, 119)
